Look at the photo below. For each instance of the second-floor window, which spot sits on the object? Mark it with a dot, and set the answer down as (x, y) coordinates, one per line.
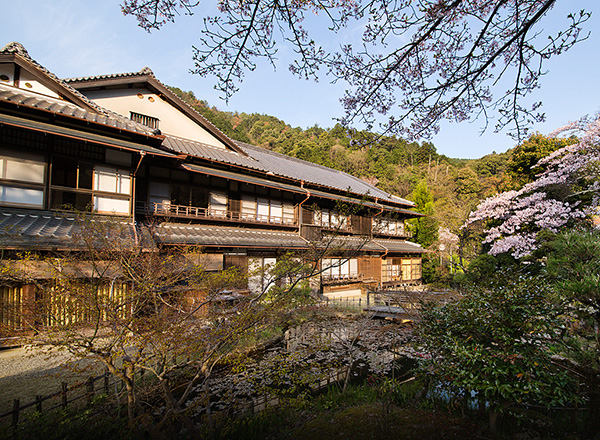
(330, 219)
(22, 179)
(82, 186)
(388, 226)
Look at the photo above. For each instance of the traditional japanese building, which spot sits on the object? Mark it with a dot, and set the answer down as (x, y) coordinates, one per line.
(125, 145)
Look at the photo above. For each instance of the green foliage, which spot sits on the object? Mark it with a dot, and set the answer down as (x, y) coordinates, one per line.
(91, 423)
(574, 265)
(486, 267)
(574, 268)
(424, 229)
(526, 155)
(467, 182)
(496, 342)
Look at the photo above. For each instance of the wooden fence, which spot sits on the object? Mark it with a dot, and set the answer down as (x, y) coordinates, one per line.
(103, 383)
(64, 396)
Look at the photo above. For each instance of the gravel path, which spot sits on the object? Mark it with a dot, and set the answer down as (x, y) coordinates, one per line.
(25, 373)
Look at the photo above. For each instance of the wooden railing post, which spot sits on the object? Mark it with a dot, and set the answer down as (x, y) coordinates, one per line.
(64, 389)
(106, 377)
(15, 414)
(38, 403)
(90, 390)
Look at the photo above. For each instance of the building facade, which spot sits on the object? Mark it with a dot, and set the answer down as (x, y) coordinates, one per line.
(125, 146)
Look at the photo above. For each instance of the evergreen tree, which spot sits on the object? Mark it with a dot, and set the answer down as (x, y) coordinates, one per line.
(424, 229)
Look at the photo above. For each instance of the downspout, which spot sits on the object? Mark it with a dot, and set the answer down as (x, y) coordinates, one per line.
(302, 202)
(133, 201)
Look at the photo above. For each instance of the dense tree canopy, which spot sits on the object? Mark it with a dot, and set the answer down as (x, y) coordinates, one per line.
(419, 62)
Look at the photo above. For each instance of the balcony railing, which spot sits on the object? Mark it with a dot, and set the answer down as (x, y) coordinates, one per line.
(344, 226)
(396, 233)
(194, 212)
(328, 279)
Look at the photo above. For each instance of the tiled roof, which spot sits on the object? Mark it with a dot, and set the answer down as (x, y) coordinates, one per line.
(205, 151)
(371, 245)
(19, 49)
(211, 236)
(145, 71)
(59, 106)
(23, 97)
(42, 230)
(200, 235)
(400, 246)
(299, 169)
(281, 165)
(37, 229)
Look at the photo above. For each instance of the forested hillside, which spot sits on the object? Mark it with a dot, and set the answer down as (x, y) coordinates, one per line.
(395, 165)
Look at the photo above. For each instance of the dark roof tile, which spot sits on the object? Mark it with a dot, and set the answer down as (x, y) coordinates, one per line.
(57, 106)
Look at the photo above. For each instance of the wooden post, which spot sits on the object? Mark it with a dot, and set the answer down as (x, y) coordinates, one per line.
(15, 414)
(63, 392)
(90, 390)
(38, 403)
(106, 376)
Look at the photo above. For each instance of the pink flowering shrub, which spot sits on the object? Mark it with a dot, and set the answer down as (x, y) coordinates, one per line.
(516, 217)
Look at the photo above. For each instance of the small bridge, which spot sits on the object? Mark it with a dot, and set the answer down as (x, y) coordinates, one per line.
(403, 305)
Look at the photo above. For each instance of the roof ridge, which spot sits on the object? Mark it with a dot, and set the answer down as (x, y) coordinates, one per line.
(17, 48)
(144, 71)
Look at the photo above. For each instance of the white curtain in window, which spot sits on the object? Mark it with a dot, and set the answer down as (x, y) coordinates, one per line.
(276, 211)
(22, 196)
(109, 205)
(113, 180)
(288, 213)
(353, 267)
(16, 169)
(248, 207)
(262, 210)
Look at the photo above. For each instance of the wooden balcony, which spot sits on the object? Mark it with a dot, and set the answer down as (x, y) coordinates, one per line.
(193, 212)
(393, 234)
(346, 278)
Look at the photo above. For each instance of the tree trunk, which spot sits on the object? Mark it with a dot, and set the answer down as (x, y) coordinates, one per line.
(493, 421)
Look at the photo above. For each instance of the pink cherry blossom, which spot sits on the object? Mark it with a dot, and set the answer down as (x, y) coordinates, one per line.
(520, 215)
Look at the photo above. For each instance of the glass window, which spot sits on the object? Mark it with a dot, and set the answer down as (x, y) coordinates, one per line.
(108, 205)
(21, 196)
(276, 211)
(22, 167)
(262, 209)
(24, 175)
(112, 180)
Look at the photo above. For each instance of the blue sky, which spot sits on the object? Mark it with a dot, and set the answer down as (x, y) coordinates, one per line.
(91, 37)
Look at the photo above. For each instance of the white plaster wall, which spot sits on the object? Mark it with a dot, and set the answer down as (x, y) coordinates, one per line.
(7, 69)
(28, 82)
(141, 100)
